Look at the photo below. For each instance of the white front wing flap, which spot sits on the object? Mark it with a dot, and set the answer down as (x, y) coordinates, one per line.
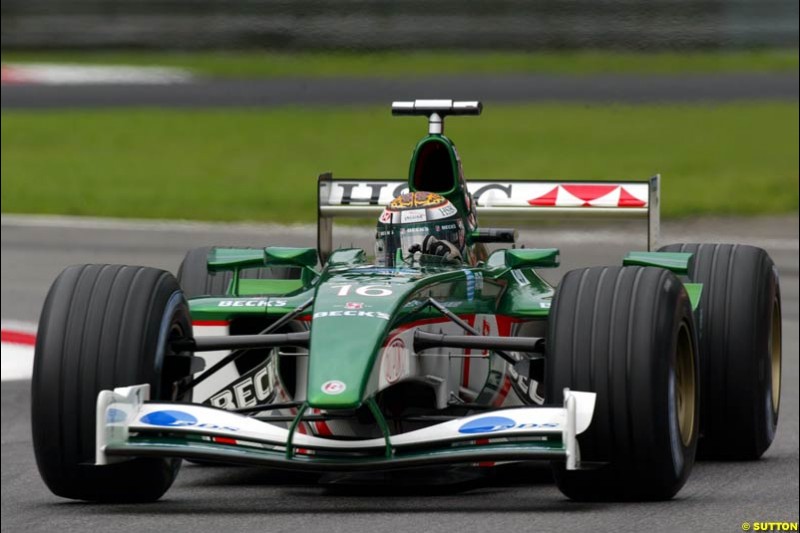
(123, 412)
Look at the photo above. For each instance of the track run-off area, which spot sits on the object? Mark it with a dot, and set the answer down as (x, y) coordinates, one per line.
(719, 496)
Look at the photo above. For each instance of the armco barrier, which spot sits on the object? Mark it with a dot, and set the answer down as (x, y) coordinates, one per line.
(388, 24)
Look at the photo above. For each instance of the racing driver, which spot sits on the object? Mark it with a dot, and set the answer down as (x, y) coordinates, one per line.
(416, 224)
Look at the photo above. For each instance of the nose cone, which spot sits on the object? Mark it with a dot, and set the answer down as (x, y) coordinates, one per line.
(352, 316)
(344, 345)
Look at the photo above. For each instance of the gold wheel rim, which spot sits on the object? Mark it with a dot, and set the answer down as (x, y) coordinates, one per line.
(685, 385)
(775, 356)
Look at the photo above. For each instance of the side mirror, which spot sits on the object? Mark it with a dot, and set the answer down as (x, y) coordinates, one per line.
(235, 258)
(681, 263)
(532, 257)
(282, 256)
(347, 257)
(487, 235)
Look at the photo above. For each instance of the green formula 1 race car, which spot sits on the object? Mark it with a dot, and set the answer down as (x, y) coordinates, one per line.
(433, 351)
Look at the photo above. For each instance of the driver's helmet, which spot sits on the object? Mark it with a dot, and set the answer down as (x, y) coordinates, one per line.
(419, 222)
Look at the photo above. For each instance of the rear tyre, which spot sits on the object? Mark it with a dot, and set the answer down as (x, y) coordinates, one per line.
(627, 334)
(103, 326)
(196, 280)
(740, 348)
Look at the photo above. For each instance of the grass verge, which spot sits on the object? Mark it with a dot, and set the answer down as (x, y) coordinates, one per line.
(738, 158)
(259, 64)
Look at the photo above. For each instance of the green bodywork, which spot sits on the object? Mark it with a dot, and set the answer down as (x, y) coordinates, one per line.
(357, 306)
(457, 194)
(532, 258)
(454, 193)
(681, 263)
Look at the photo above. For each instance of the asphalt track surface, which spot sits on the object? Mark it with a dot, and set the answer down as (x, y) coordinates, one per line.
(628, 88)
(718, 497)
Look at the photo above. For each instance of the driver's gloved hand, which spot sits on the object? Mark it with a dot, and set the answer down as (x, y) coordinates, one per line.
(425, 247)
(445, 249)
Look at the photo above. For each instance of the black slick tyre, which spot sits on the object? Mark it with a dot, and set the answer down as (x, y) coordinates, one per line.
(103, 326)
(626, 334)
(740, 348)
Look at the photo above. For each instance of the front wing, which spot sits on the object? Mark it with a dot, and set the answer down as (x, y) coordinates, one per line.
(128, 426)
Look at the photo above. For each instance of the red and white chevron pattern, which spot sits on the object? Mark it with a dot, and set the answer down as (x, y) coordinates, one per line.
(591, 195)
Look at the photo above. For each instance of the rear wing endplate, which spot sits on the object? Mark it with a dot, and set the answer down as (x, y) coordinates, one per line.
(521, 201)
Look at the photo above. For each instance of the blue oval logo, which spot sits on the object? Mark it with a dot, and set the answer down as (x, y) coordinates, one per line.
(487, 424)
(169, 418)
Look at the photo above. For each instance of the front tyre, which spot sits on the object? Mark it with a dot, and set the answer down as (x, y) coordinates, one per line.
(103, 326)
(626, 334)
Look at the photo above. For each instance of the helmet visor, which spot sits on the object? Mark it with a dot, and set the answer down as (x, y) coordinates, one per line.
(394, 242)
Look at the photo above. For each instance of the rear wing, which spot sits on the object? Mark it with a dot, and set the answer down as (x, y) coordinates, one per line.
(520, 201)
